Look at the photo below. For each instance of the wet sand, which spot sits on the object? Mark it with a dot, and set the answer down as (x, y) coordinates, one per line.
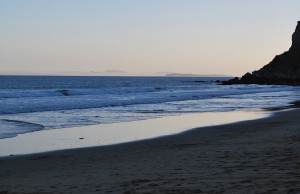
(261, 156)
(116, 133)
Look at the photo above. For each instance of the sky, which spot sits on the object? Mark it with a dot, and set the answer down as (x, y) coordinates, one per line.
(144, 37)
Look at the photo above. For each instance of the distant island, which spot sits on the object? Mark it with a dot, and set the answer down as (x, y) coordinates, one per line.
(284, 69)
(194, 75)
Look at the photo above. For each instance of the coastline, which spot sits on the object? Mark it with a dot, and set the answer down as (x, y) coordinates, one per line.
(246, 157)
(118, 133)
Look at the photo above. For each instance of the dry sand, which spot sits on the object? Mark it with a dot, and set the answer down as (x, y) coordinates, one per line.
(261, 156)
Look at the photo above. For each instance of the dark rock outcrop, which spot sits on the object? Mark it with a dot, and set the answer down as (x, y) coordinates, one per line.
(284, 69)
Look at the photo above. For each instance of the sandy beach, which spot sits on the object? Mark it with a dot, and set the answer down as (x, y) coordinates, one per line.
(260, 156)
(149, 97)
(117, 133)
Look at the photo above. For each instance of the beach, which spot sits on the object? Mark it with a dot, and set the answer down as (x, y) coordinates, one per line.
(149, 97)
(258, 156)
(118, 133)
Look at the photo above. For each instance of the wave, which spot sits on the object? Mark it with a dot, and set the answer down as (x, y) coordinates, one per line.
(74, 92)
(86, 99)
(11, 128)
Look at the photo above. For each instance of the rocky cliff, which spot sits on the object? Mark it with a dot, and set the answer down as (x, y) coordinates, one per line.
(284, 69)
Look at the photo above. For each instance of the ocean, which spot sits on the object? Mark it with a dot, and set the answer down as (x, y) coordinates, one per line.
(32, 103)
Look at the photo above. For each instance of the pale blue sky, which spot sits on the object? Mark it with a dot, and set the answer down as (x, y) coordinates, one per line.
(144, 36)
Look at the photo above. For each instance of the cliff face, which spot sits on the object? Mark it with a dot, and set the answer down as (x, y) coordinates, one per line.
(283, 69)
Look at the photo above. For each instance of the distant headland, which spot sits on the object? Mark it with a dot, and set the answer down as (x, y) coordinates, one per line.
(195, 75)
(284, 69)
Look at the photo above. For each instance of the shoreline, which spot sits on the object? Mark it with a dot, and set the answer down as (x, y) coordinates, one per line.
(246, 157)
(44, 141)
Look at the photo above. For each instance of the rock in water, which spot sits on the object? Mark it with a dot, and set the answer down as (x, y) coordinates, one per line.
(284, 69)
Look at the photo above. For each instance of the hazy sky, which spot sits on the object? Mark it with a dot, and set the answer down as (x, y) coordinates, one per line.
(142, 36)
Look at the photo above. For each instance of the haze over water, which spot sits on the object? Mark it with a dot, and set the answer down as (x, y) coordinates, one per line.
(143, 37)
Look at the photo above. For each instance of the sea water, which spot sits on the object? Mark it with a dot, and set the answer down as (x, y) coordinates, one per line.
(33, 103)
